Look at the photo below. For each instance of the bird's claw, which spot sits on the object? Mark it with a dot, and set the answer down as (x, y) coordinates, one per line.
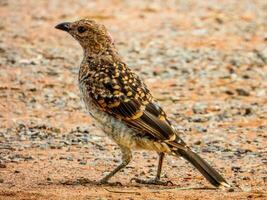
(151, 182)
(104, 182)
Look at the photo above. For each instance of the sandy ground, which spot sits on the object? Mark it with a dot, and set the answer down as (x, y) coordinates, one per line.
(205, 61)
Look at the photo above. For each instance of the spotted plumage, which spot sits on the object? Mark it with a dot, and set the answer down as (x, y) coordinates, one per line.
(123, 105)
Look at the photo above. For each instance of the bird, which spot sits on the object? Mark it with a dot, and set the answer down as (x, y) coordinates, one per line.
(123, 106)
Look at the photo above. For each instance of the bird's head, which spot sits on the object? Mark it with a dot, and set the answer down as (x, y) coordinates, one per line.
(93, 37)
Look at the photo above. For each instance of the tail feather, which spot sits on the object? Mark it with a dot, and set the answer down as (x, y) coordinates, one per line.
(204, 168)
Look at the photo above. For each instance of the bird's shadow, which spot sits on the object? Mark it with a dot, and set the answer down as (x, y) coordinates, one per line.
(88, 182)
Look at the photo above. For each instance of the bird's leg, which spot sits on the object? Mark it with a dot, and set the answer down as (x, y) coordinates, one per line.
(126, 158)
(156, 180)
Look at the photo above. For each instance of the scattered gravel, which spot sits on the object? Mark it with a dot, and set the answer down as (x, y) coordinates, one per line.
(205, 62)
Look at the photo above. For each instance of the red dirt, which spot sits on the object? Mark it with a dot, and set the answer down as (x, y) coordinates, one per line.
(221, 48)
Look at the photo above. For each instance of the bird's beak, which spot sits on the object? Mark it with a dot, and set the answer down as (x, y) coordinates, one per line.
(65, 26)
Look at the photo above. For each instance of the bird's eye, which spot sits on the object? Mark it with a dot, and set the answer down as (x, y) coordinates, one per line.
(81, 29)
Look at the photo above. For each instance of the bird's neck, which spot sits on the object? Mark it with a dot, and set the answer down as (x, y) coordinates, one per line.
(93, 51)
(92, 61)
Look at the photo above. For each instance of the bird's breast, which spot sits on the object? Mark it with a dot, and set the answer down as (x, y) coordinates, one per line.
(114, 128)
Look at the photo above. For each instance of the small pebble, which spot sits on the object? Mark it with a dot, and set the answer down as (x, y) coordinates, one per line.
(242, 92)
(83, 162)
(2, 165)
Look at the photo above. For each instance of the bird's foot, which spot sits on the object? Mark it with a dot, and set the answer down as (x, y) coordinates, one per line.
(105, 182)
(151, 182)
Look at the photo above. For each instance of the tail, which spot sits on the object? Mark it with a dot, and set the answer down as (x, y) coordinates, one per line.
(203, 167)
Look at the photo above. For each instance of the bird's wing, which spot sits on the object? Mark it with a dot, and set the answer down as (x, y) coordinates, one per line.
(121, 93)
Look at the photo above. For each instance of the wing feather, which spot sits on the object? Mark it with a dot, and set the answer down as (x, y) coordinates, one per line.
(124, 96)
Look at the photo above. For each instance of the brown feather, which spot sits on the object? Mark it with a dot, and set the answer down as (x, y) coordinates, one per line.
(128, 99)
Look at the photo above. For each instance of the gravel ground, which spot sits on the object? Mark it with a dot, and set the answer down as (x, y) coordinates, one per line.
(205, 61)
